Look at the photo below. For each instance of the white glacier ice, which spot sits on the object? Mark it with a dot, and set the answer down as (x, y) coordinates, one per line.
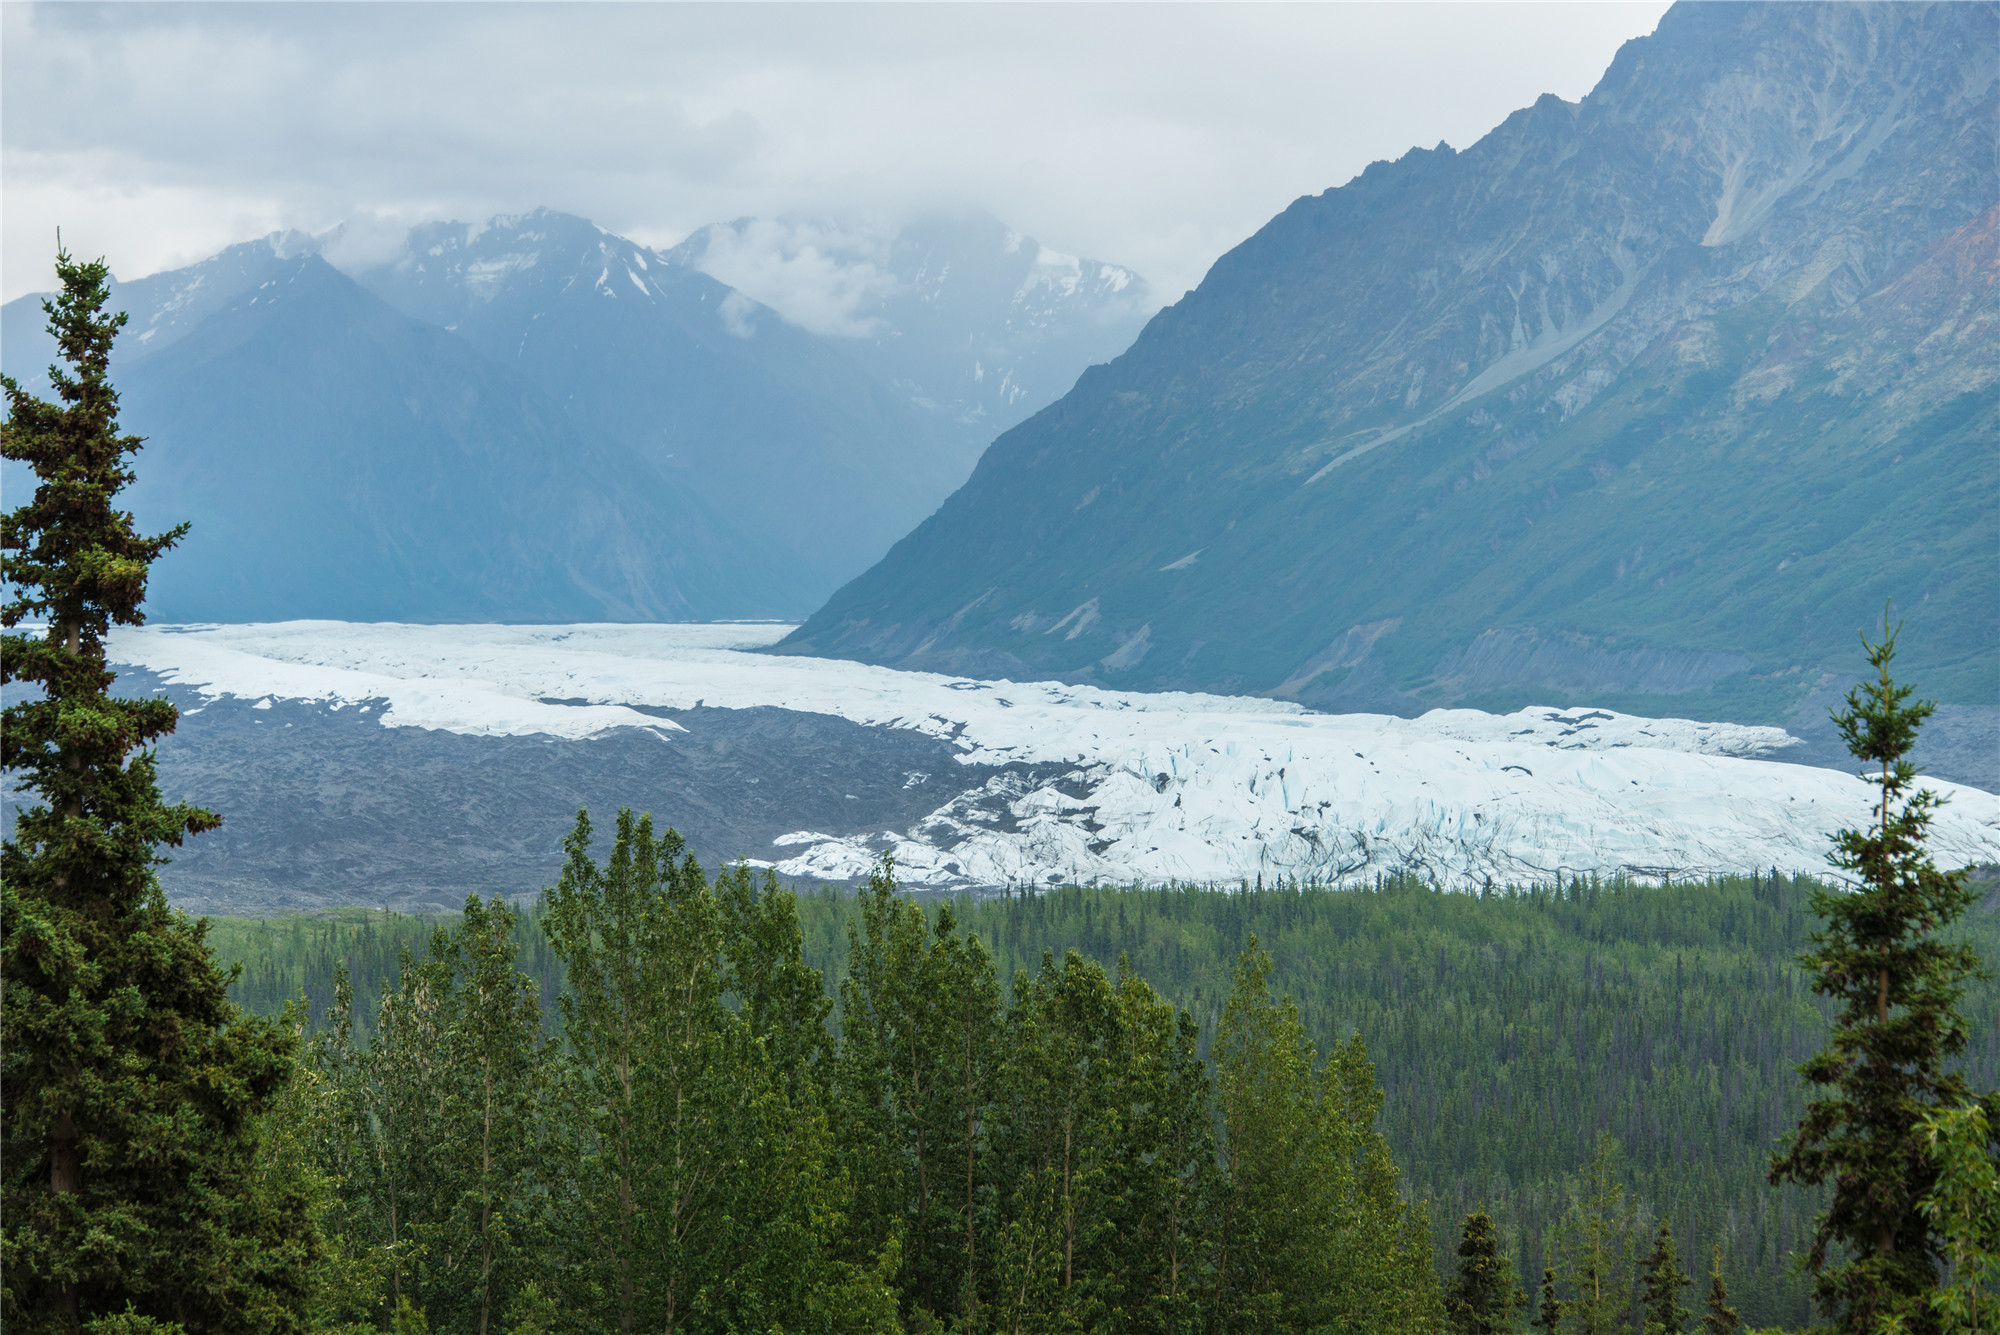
(1080, 783)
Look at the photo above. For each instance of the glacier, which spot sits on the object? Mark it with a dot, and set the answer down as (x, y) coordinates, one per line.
(1081, 784)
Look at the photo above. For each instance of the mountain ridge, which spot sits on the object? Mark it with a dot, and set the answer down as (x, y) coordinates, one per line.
(1584, 391)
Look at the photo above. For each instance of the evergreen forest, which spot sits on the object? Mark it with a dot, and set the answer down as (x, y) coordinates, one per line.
(1508, 1031)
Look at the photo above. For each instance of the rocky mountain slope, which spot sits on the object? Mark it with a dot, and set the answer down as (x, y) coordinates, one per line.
(1650, 400)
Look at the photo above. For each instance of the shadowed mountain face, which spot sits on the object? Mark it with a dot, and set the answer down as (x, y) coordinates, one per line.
(339, 460)
(1651, 399)
(766, 463)
(756, 417)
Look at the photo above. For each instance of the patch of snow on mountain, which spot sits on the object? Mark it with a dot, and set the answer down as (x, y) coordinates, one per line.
(1117, 786)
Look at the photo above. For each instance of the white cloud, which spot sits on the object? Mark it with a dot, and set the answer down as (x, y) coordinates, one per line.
(739, 315)
(821, 276)
(1150, 136)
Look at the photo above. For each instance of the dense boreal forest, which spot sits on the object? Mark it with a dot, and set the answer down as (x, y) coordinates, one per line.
(1507, 1030)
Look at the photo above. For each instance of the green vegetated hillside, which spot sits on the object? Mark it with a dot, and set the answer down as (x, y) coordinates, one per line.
(1507, 1030)
(1648, 401)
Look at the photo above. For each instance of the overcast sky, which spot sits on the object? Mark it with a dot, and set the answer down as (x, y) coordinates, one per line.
(1154, 136)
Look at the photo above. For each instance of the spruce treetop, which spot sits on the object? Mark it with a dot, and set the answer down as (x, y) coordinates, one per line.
(1879, 956)
(70, 557)
(1718, 1317)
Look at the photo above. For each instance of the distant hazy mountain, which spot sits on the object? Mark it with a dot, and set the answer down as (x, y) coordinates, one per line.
(964, 316)
(792, 458)
(767, 423)
(1649, 400)
(340, 460)
(161, 309)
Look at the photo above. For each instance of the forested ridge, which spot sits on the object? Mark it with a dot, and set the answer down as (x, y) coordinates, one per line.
(1507, 1029)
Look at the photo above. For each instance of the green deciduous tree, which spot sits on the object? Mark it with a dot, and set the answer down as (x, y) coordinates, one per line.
(1964, 1207)
(436, 1134)
(1060, 1141)
(1313, 1232)
(706, 1173)
(915, 1052)
(1166, 1176)
(1483, 1297)
(1597, 1244)
(483, 1249)
(604, 924)
(1896, 982)
(133, 1088)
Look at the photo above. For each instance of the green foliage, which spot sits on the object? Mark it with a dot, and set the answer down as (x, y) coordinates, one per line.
(1484, 1297)
(1897, 983)
(696, 1152)
(133, 1087)
(1661, 1282)
(1505, 1029)
(1964, 1208)
(299, 956)
(1598, 1243)
(1548, 1316)
(1313, 1232)
(1718, 1317)
(918, 1056)
(705, 1185)
(433, 1136)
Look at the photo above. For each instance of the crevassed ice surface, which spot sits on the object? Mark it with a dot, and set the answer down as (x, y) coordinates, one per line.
(1111, 785)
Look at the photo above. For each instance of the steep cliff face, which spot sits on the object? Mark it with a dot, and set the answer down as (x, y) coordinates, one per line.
(1654, 397)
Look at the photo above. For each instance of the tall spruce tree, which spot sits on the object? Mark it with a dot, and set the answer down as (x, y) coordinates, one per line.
(1483, 1297)
(1661, 1283)
(1881, 957)
(1717, 1316)
(132, 1087)
(1549, 1316)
